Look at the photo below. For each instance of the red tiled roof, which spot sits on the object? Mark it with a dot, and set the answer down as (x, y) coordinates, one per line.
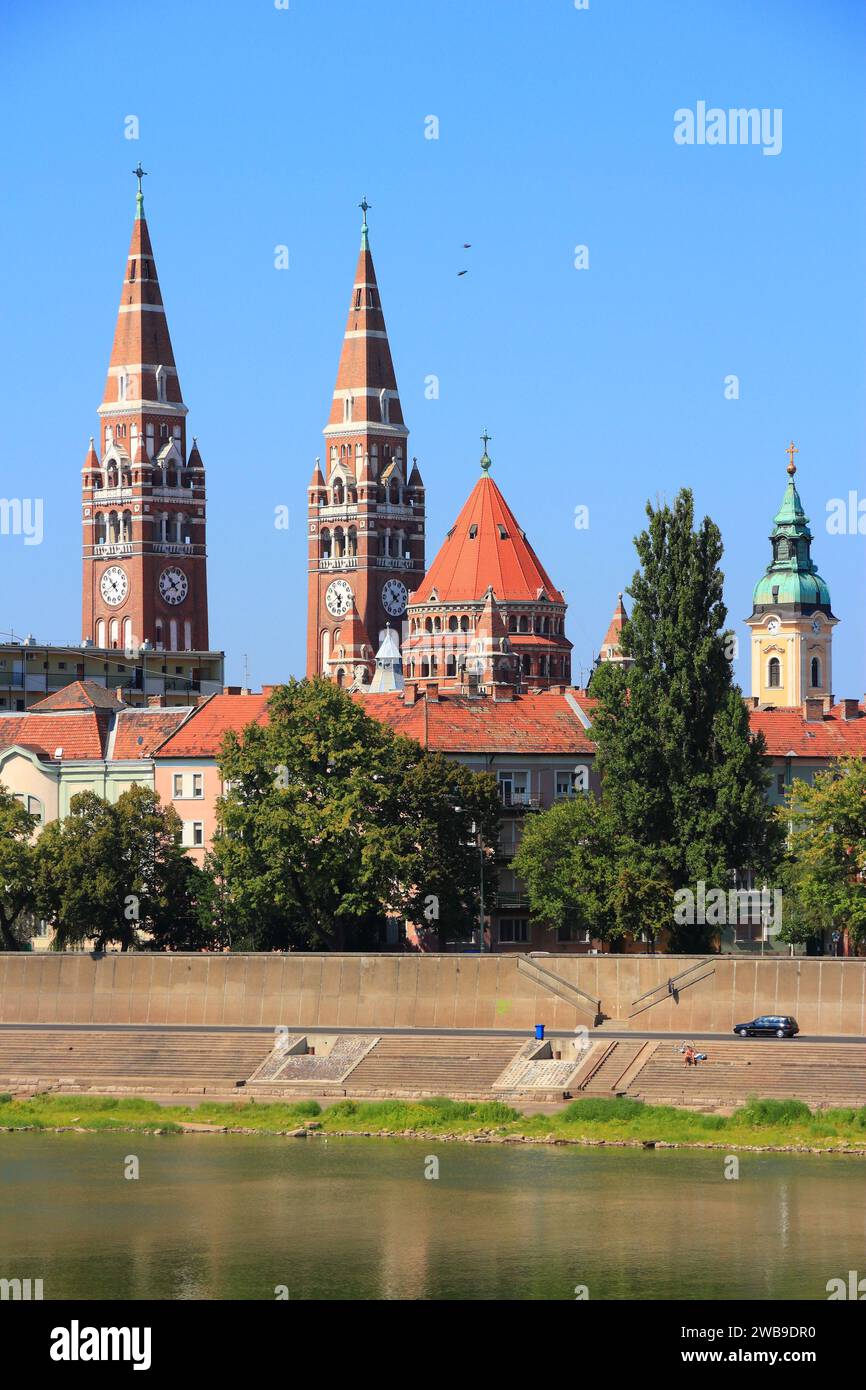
(202, 734)
(466, 566)
(80, 735)
(78, 695)
(542, 723)
(788, 731)
(138, 732)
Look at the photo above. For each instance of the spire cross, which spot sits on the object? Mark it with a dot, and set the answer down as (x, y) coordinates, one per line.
(364, 205)
(485, 461)
(139, 174)
(791, 451)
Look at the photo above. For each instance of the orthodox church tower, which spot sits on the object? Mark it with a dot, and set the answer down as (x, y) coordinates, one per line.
(143, 492)
(366, 505)
(791, 621)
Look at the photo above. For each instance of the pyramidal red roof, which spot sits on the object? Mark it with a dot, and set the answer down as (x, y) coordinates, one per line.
(78, 695)
(486, 546)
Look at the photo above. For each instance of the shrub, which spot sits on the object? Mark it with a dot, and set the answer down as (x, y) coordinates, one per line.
(5, 1097)
(773, 1112)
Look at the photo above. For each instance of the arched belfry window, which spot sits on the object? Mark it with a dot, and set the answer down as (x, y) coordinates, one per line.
(774, 673)
(816, 672)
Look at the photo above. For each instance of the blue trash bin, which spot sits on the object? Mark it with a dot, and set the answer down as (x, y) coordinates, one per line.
(539, 1032)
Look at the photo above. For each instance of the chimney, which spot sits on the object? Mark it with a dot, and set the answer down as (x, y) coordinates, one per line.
(502, 693)
(231, 690)
(268, 689)
(851, 709)
(154, 702)
(813, 709)
(432, 692)
(410, 693)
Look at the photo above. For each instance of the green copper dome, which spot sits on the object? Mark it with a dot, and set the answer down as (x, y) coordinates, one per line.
(791, 579)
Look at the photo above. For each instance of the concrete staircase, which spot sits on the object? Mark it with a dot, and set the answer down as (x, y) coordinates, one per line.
(149, 1060)
(821, 1074)
(432, 1066)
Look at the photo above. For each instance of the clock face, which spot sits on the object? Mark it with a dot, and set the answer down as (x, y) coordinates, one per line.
(114, 586)
(773, 625)
(394, 597)
(816, 624)
(338, 598)
(173, 585)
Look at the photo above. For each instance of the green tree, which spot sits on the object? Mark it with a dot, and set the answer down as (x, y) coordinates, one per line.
(566, 857)
(116, 872)
(17, 827)
(682, 776)
(331, 822)
(826, 872)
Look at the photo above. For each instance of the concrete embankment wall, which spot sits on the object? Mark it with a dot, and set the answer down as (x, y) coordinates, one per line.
(382, 991)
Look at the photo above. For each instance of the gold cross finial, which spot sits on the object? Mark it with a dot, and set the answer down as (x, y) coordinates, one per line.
(791, 451)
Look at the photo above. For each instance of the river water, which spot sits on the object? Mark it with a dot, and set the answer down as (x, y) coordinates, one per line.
(238, 1217)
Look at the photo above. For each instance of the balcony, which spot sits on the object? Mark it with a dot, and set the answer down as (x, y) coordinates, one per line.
(112, 548)
(177, 548)
(338, 562)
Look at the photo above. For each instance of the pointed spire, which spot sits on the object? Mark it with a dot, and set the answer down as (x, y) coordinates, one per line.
(365, 394)
(792, 577)
(92, 459)
(142, 366)
(365, 242)
(317, 480)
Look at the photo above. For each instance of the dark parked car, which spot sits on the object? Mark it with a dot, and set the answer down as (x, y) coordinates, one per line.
(769, 1025)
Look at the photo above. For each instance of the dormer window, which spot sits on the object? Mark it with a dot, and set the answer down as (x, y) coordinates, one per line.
(473, 531)
(503, 534)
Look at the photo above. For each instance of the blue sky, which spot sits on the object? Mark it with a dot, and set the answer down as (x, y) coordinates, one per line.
(601, 387)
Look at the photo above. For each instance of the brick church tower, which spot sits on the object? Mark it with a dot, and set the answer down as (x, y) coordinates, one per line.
(366, 507)
(143, 492)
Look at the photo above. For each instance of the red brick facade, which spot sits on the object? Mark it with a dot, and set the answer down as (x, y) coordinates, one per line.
(366, 506)
(143, 493)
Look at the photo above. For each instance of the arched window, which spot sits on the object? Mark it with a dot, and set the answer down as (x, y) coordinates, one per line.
(452, 623)
(437, 624)
(172, 631)
(100, 633)
(353, 541)
(464, 623)
(816, 672)
(774, 673)
(339, 543)
(187, 635)
(524, 624)
(326, 649)
(127, 635)
(99, 528)
(126, 526)
(113, 632)
(159, 641)
(341, 675)
(113, 527)
(451, 666)
(325, 544)
(338, 493)
(428, 624)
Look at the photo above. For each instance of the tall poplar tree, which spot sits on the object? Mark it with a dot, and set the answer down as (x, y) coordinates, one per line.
(683, 778)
